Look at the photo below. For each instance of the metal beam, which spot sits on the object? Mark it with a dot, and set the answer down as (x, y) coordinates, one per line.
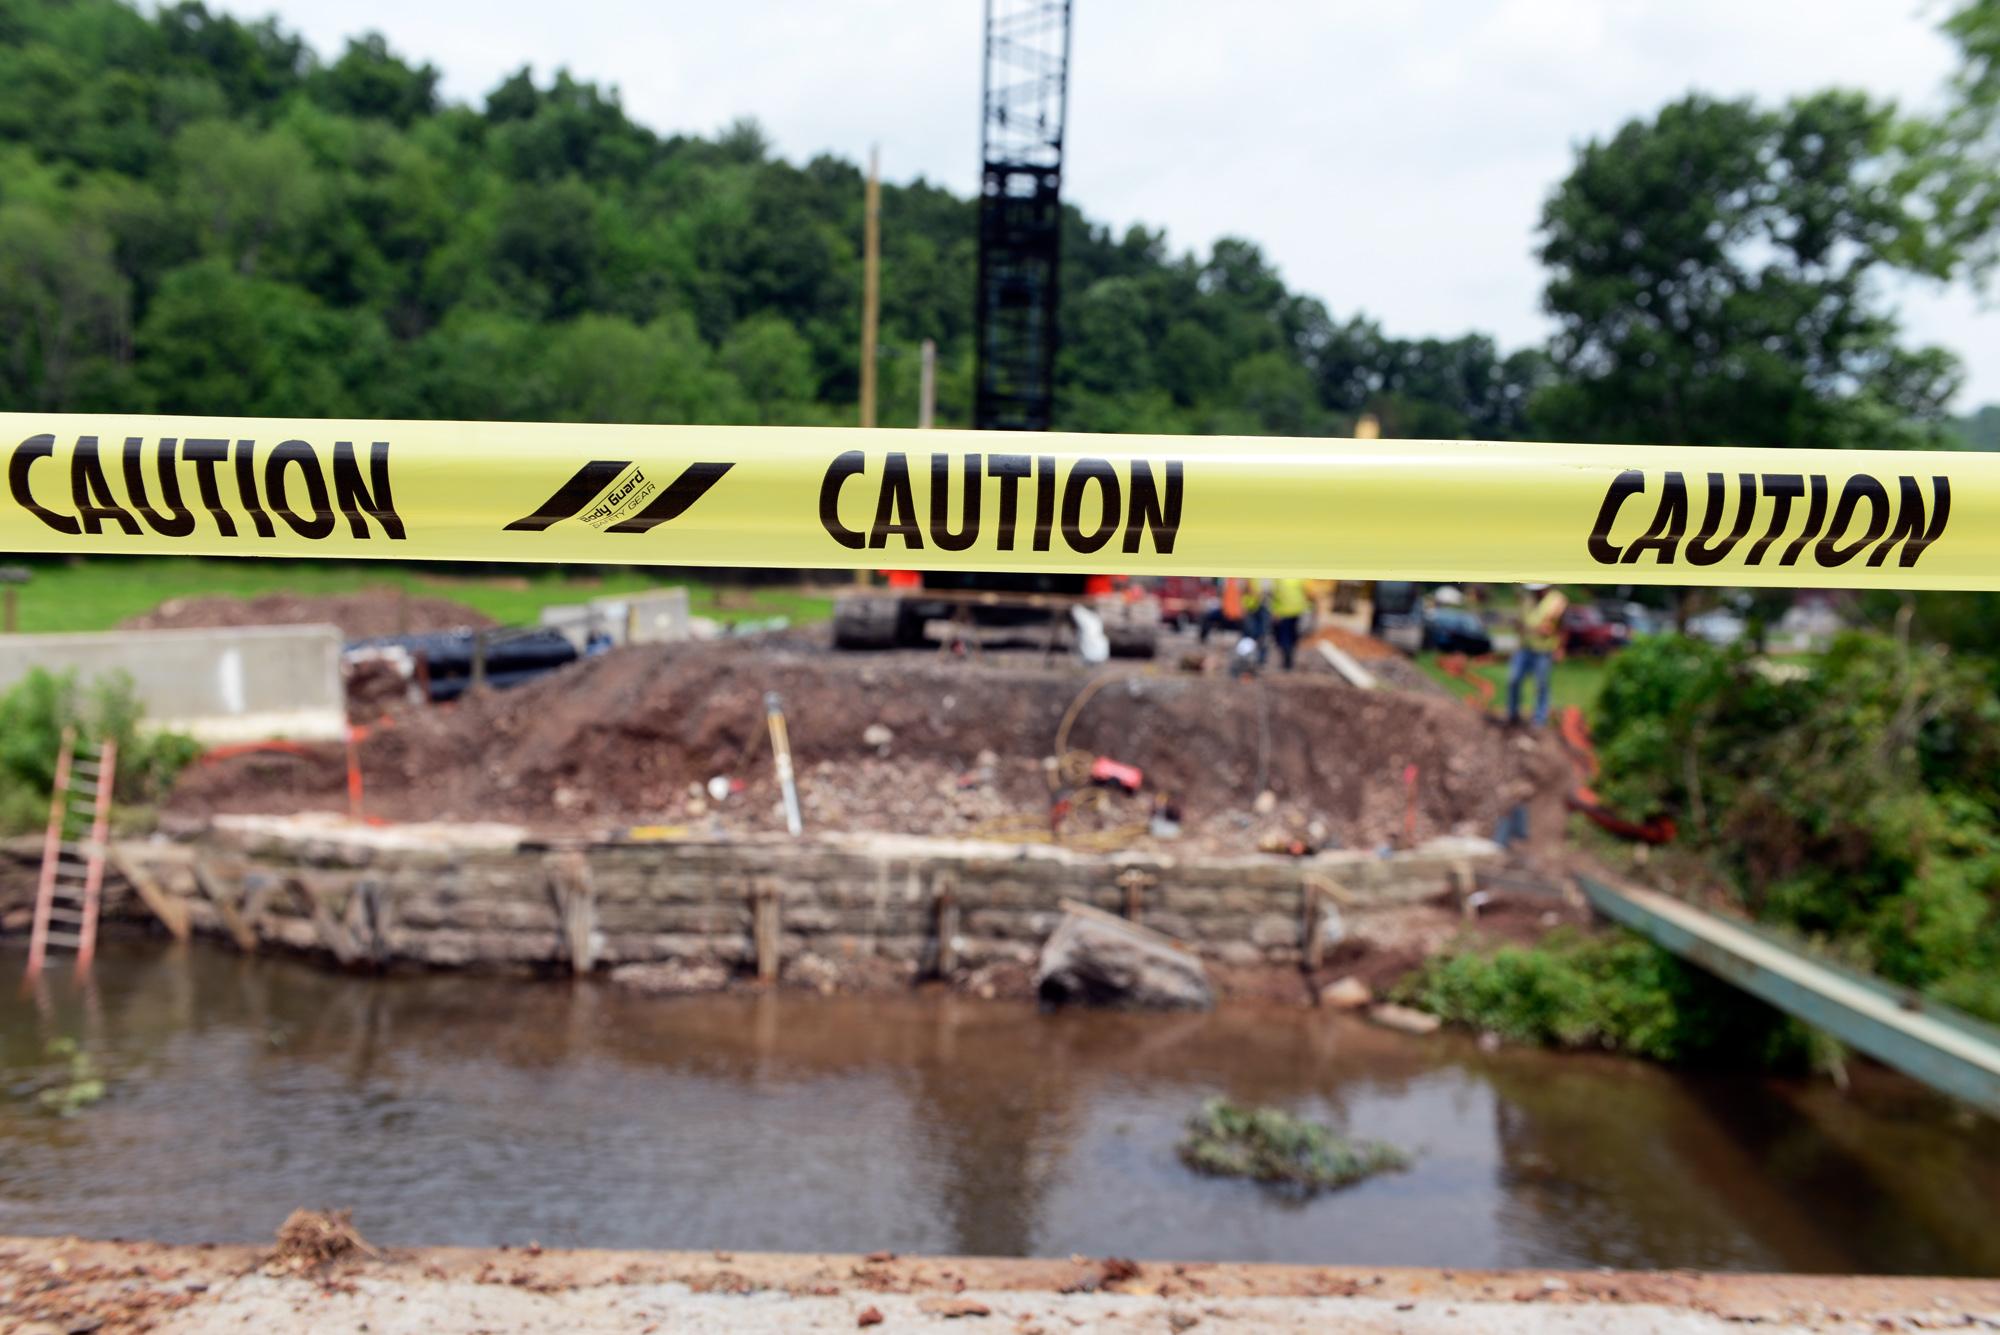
(1943, 1048)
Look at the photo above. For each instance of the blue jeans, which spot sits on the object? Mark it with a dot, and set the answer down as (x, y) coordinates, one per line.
(1542, 665)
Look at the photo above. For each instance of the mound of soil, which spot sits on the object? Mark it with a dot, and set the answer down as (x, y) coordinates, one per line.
(360, 615)
(915, 745)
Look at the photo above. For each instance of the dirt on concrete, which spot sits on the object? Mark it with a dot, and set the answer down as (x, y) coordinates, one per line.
(363, 615)
(52, 1285)
(919, 745)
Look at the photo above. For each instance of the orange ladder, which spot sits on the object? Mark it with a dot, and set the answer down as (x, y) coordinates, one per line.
(73, 868)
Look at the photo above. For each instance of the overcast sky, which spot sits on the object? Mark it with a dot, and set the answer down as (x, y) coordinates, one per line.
(1391, 158)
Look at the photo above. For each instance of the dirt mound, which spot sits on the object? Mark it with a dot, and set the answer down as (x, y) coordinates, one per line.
(359, 615)
(921, 747)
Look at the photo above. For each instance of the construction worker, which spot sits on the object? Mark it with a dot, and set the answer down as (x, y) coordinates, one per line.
(1289, 601)
(1540, 620)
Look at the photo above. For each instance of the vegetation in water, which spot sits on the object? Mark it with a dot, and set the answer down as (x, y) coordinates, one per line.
(1273, 1146)
(33, 714)
(76, 1085)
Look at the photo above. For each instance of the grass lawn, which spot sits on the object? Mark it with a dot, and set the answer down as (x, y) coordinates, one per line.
(97, 593)
(1576, 681)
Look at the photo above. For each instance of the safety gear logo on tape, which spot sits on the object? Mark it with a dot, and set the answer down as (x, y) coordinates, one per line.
(957, 500)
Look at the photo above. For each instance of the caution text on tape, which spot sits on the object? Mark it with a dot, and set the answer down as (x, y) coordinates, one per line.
(947, 500)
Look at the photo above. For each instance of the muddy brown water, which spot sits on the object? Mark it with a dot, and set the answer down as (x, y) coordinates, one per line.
(470, 1110)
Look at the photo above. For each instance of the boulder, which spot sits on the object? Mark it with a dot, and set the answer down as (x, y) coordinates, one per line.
(1404, 1020)
(1095, 959)
(1346, 994)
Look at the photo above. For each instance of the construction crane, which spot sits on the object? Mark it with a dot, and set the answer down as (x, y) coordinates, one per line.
(1025, 99)
(1024, 103)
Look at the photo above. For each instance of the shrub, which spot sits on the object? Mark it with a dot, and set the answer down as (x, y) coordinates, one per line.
(33, 715)
(1618, 992)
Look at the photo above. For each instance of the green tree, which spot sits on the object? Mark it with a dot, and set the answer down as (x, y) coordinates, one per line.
(1713, 275)
(64, 309)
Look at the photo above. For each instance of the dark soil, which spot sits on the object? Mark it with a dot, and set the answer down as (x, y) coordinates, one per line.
(634, 736)
(362, 615)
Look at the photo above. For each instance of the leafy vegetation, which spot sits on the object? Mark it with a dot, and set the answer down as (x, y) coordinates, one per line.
(1617, 992)
(1273, 1146)
(1858, 803)
(33, 714)
(76, 1084)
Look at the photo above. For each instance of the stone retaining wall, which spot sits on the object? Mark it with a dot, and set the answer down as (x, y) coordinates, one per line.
(471, 895)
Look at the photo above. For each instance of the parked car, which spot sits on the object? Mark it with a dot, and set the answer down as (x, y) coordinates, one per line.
(1719, 626)
(1453, 630)
(1586, 631)
(1184, 599)
(1635, 618)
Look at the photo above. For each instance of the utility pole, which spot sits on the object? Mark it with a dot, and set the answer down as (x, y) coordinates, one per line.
(871, 285)
(927, 386)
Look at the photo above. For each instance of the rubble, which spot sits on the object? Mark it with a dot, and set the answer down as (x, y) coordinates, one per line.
(621, 737)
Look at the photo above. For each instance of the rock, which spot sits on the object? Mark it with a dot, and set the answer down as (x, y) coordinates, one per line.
(951, 1309)
(671, 978)
(878, 736)
(1403, 1019)
(1266, 803)
(1346, 994)
(1094, 959)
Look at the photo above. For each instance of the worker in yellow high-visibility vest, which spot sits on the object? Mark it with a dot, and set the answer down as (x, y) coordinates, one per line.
(1273, 607)
(1541, 617)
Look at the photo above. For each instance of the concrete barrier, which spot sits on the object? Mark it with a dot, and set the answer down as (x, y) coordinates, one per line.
(225, 685)
(654, 616)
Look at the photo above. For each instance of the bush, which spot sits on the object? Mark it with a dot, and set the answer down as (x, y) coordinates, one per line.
(1857, 803)
(1271, 1145)
(1617, 992)
(32, 717)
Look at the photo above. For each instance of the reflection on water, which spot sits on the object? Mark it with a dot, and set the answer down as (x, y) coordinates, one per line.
(472, 1110)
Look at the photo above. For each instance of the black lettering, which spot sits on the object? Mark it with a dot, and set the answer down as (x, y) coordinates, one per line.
(896, 507)
(1910, 522)
(25, 454)
(356, 498)
(179, 522)
(1150, 511)
(1629, 483)
(1815, 516)
(246, 488)
(320, 523)
(1081, 473)
(205, 453)
(843, 467)
(1782, 488)
(1045, 500)
(90, 491)
(968, 518)
(1669, 525)
(1859, 488)
(1009, 469)
(1699, 553)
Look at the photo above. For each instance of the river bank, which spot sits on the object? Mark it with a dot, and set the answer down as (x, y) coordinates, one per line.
(59, 1285)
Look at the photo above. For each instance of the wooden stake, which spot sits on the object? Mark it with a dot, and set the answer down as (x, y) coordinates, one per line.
(947, 926)
(764, 926)
(871, 282)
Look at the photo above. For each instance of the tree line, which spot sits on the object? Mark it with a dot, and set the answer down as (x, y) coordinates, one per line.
(199, 213)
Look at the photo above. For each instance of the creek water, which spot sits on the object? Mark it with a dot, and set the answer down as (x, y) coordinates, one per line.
(457, 1109)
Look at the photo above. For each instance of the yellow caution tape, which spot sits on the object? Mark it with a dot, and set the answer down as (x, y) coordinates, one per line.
(957, 500)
